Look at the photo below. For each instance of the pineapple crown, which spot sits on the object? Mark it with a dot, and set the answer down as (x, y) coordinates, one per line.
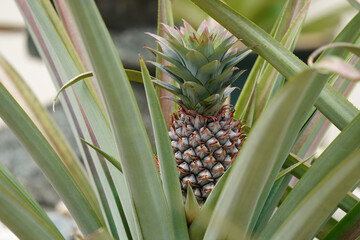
(202, 64)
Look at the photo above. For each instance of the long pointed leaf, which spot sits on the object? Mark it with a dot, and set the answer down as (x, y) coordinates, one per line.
(284, 61)
(198, 226)
(71, 82)
(292, 167)
(320, 202)
(341, 111)
(192, 207)
(55, 53)
(271, 203)
(253, 36)
(349, 201)
(255, 169)
(340, 148)
(108, 157)
(270, 76)
(101, 234)
(69, 45)
(50, 163)
(21, 220)
(348, 227)
(280, 28)
(336, 107)
(165, 16)
(22, 213)
(52, 133)
(168, 169)
(133, 144)
(132, 75)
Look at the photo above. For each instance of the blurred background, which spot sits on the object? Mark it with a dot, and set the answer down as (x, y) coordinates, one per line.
(127, 30)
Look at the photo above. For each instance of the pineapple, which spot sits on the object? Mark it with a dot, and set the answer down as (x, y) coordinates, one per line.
(203, 134)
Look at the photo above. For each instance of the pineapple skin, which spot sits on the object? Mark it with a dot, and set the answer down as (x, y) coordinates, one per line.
(204, 148)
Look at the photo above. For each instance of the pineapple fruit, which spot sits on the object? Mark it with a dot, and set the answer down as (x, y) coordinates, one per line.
(203, 134)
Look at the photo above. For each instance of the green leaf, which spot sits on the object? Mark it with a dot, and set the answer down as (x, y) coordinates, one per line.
(22, 220)
(22, 214)
(258, 163)
(339, 66)
(71, 82)
(50, 163)
(280, 58)
(178, 79)
(85, 110)
(204, 72)
(172, 33)
(207, 48)
(165, 16)
(233, 59)
(253, 36)
(273, 52)
(348, 46)
(344, 144)
(336, 64)
(71, 51)
(348, 227)
(311, 134)
(286, 30)
(215, 108)
(178, 101)
(195, 92)
(133, 75)
(110, 158)
(217, 82)
(244, 109)
(171, 88)
(276, 193)
(167, 58)
(198, 226)
(53, 133)
(232, 79)
(247, 95)
(293, 167)
(192, 207)
(305, 219)
(222, 48)
(335, 107)
(326, 228)
(184, 75)
(349, 201)
(195, 60)
(341, 112)
(100, 234)
(165, 46)
(179, 49)
(210, 100)
(130, 135)
(56, 23)
(167, 163)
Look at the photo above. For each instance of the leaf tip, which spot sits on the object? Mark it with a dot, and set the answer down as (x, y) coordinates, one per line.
(53, 104)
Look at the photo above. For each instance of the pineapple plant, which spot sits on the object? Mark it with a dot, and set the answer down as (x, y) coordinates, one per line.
(204, 136)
